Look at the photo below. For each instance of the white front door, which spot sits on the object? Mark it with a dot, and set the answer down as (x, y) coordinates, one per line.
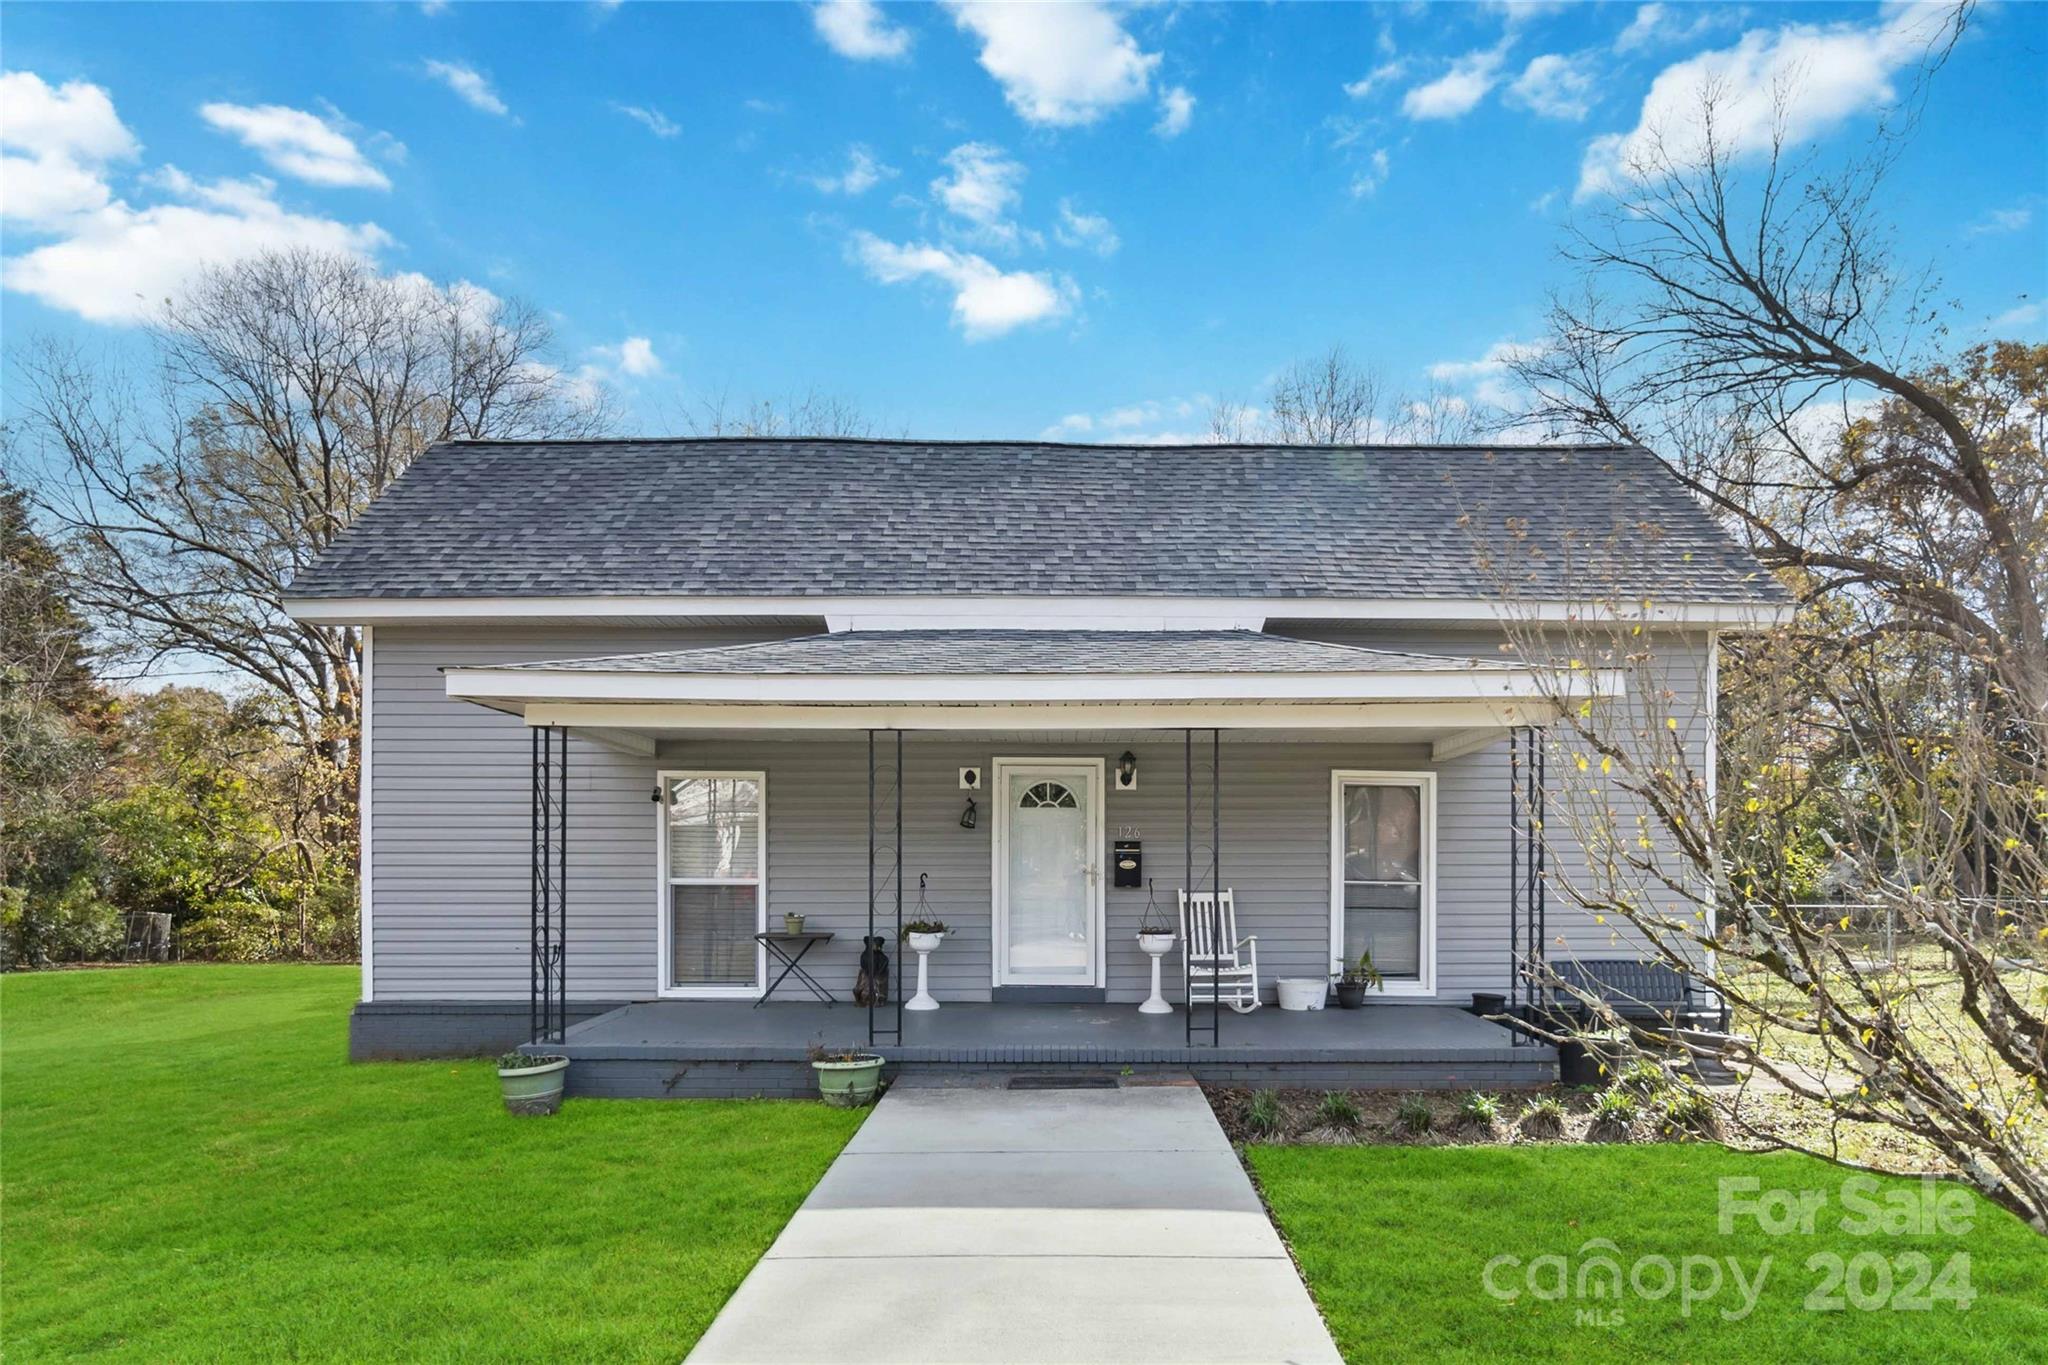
(1048, 872)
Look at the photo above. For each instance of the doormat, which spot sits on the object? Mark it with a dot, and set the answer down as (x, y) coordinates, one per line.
(1061, 1083)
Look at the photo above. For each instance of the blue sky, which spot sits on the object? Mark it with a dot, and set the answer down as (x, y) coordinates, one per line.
(970, 220)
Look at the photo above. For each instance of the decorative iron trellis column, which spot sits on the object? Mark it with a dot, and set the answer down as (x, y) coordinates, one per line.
(1528, 882)
(548, 926)
(885, 868)
(1213, 834)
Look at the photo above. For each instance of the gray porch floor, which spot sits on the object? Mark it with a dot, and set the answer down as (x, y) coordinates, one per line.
(979, 1034)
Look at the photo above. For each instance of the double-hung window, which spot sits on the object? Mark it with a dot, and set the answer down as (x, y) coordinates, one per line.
(1383, 876)
(713, 882)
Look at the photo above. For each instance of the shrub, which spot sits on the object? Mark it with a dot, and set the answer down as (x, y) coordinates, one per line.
(1338, 1110)
(1642, 1078)
(1262, 1115)
(1479, 1109)
(1415, 1114)
(513, 1061)
(1614, 1115)
(1685, 1110)
(1542, 1117)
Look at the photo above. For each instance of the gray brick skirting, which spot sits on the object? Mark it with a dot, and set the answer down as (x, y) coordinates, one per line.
(399, 1030)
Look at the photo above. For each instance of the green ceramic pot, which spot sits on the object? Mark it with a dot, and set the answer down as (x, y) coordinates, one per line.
(848, 1085)
(536, 1089)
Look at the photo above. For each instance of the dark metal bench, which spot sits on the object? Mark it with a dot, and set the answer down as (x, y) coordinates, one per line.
(1652, 993)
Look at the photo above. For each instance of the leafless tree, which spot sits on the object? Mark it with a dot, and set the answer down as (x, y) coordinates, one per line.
(289, 390)
(1333, 400)
(810, 413)
(1736, 323)
(1326, 401)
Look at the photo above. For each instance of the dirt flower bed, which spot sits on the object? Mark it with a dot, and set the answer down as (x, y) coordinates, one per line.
(1349, 1118)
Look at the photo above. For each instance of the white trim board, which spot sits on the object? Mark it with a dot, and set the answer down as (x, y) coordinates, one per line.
(985, 689)
(365, 805)
(662, 945)
(1045, 612)
(1426, 780)
(685, 716)
(1098, 907)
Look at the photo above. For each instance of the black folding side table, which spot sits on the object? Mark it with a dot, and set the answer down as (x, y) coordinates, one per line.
(779, 944)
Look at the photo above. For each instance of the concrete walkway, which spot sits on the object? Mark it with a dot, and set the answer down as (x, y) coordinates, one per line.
(1000, 1225)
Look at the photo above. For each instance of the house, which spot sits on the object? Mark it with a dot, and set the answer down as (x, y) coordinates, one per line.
(630, 703)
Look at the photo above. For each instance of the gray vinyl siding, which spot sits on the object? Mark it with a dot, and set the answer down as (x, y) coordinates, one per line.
(450, 846)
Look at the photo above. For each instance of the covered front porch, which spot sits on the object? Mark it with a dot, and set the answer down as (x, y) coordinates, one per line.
(827, 776)
(671, 1048)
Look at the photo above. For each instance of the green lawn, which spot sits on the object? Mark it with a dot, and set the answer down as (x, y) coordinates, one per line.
(1394, 1242)
(189, 1169)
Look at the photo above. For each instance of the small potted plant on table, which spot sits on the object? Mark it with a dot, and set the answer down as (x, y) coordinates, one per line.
(532, 1085)
(924, 936)
(1357, 979)
(847, 1078)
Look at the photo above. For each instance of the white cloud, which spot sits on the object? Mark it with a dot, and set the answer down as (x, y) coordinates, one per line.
(75, 121)
(56, 144)
(987, 301)
(2020, 315)
(856, 29)
(1088, 231)
(863, 172)
(634, 357)
(471, 85)
(1366, 181)
(108, 259)
(1657, 25)
(118, 263)
(1488, 377)
(1554, 86)
(656, 122)
(297, 143)
(1154, 421)
(1998, 221)
(1372, 80)
(1810, 77)
(1060, 65)
(983, 186)
(1458, 90)
(1176, 112)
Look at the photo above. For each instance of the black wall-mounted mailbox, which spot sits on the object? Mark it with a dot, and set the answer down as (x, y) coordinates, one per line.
(1127, 866)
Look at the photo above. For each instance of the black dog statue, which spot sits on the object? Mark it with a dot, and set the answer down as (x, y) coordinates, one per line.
(872, 988)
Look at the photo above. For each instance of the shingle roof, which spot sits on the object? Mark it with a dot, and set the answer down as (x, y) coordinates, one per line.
(1001, 652)
(829, 518)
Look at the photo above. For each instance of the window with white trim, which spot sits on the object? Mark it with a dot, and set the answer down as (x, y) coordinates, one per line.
(1383, 875)
(716, 897)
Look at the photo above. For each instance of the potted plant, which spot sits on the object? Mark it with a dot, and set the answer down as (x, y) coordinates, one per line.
(792, 924)
(847, 1079)
(1358, 978)
(532, 1085)
(923, 936)
(1155, 940)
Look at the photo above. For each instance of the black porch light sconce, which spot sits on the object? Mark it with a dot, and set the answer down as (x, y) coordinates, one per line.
(1127, 772)
(968, 817)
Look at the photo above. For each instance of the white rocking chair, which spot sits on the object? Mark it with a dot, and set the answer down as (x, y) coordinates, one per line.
(1221, 968)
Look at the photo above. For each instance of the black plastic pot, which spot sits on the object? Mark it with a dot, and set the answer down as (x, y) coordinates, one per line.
(1489, 1002)
(1350, 995)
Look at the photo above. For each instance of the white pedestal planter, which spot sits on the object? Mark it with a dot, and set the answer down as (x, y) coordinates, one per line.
(1302, 992)
(922, 945)
(1155, 946)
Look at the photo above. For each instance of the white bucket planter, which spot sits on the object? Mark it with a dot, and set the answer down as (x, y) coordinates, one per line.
(1302, 992)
